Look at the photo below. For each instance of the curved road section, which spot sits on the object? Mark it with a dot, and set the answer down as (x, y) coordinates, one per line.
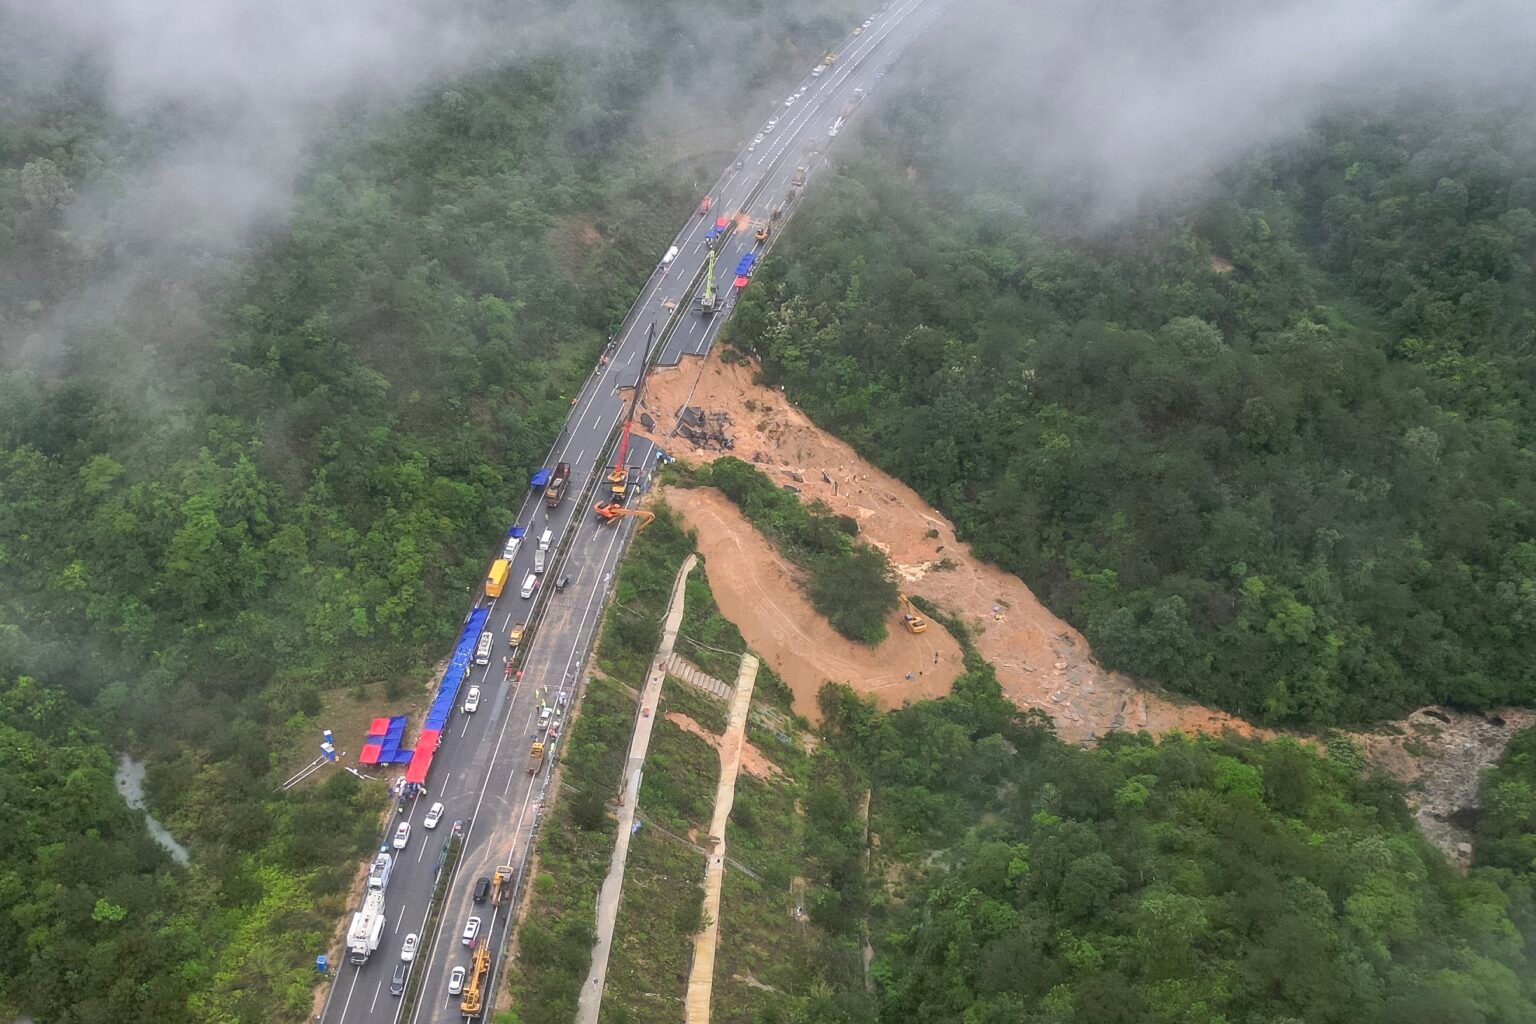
(480, 773)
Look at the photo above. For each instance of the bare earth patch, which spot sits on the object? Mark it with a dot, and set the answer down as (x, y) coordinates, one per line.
(752, 759)
(757, 590)
(1041, 661)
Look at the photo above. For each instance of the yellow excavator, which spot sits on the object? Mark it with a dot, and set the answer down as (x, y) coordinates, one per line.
(914, 622)
(612, 514)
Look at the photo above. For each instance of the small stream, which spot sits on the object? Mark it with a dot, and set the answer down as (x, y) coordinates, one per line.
(130, 783)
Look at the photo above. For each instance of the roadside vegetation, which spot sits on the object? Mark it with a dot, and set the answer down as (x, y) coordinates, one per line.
(632, 627)
(1211, 879)
(663, 904)
(554, 942)
(1269, 443)
(847, 581)
(280, 472)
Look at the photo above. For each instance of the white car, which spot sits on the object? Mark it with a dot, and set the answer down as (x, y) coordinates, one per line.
(434, 815)
(771, 122)
(868, 22)
(791, 101)
(471, 932)
(472, 700)
(456, 980)
(402, 835)
(757, 138)
(408, 951)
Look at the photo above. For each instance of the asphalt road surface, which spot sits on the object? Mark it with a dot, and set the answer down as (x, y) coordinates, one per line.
(480, 773)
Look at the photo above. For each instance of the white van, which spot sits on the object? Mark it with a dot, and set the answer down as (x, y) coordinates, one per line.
(544, 717)
(671, 255)
(483, 649)
(510, 551)
(538, 560)
(529, 582)
(546, 540)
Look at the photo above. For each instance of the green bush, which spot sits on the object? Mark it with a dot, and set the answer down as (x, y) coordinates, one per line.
(848, 582)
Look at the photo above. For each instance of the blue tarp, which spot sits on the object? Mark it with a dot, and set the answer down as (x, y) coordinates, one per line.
(516, 531)
(448, 690)
(540, 478)
(746, 264)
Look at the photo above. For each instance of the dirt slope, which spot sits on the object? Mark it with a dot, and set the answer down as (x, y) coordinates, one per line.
(756, 590)
(1041, 661)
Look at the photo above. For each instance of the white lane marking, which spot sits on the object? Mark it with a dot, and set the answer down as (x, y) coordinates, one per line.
(376, 990)
(350, 989)
(508, 623)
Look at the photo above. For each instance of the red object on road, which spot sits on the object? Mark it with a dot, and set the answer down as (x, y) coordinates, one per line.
(703, 206)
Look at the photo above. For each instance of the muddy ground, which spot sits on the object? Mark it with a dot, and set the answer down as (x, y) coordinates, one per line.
(1041, 661)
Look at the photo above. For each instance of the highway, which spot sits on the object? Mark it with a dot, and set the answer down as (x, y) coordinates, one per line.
(480, 772)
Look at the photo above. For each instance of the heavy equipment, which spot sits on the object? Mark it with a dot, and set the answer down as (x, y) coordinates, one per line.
(622, 478)
(501, 884)
(535, 756)
(708, 303)
(473, 1000)
(613, 513)
(914, 622)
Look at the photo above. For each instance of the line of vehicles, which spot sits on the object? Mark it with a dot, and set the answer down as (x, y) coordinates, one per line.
(369, 923)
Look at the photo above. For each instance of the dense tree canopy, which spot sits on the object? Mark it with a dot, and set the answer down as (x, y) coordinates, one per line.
(279, 470)
(1184, 881)
(1271, 445)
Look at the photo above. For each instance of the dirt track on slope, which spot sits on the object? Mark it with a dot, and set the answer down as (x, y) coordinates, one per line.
(1041, 661)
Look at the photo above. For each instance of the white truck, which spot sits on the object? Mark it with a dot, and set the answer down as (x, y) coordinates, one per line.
(367, 928)
(378, 875)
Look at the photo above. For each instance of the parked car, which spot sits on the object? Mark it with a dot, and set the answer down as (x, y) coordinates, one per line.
(456, 980)
(397, 980)
(482, 889)
(471, 932)
(408, 949)
(402, 835)
(434, 815)
(472, 700)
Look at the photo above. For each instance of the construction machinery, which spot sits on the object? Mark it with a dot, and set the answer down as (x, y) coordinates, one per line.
(613, 513)
(501, 884)
(798, 181)
(762, 233)
(623, 479)
(535, 756)
(914, 622)
(473, 1000)
(708, 303)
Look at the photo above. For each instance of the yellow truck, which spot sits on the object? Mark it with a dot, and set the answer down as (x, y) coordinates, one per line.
(515, 635)
(497, 578)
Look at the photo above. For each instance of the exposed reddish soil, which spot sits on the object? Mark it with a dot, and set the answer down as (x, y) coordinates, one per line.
(1041, 661)
(757, 590)
(752, 760)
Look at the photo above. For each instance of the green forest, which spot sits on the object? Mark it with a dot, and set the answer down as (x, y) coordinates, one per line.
(848, 582)
(1187, 881)
(274, 479)
(1269, 445)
